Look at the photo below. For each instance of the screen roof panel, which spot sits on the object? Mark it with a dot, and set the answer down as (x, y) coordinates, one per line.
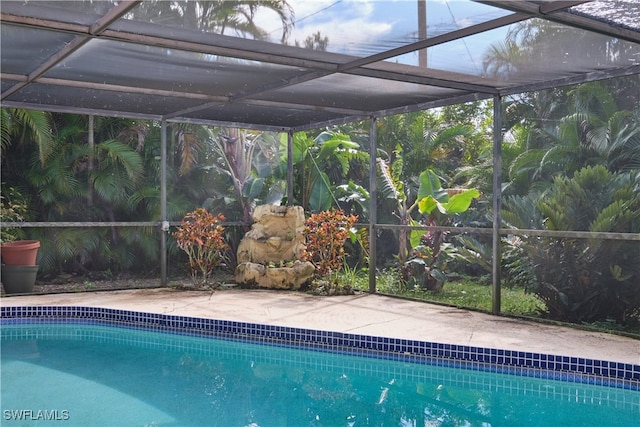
(623, 13)
(73, 12)
(360, 94)
(509, 54)
(263, 116)
(169, 60)
(16, 41)
(59, 96)
(127, 64)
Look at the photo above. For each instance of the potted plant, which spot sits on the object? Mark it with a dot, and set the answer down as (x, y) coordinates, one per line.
(19, 269)
(20, 252)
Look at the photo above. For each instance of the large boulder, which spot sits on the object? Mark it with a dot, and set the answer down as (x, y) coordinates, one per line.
(263, 276)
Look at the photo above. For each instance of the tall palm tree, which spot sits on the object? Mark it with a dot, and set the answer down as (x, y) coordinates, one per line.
(217, 16)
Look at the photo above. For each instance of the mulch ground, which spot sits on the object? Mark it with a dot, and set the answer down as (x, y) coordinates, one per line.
(67, 283)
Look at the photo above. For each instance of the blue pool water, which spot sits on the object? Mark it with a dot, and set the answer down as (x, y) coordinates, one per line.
(91, 374)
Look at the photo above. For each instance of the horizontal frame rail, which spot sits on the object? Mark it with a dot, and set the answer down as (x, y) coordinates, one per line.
(519, 232)
(80, 224)
(457, 230)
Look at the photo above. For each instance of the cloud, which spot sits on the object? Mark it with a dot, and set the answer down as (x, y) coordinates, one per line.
(347, 25)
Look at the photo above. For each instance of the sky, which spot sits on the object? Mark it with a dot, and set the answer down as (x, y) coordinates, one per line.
(364, 28)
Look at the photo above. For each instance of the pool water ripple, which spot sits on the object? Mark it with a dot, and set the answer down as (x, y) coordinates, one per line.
(108, 367)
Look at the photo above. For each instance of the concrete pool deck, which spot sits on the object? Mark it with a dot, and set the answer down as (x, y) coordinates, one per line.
(357, 314)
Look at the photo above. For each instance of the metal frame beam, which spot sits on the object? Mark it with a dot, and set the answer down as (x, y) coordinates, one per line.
(573, 80)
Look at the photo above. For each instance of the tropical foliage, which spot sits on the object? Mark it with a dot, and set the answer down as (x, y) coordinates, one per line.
(201, 236)
(243, 165)
(584, 280)
(12, 209)
(326, 168)
(571, 162)
(217, 16)
(427, 268)
(325, 235)
(26, 125)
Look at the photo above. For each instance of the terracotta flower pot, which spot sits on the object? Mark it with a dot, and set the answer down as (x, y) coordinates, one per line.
(20, 252)
(18, 279)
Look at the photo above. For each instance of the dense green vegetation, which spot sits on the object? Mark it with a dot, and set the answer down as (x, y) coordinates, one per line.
(571, 162)
(474, 293)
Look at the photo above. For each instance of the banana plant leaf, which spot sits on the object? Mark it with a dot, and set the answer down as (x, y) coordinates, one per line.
(457, 203)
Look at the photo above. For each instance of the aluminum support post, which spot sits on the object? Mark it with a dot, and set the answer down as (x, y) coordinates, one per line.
(497, 204)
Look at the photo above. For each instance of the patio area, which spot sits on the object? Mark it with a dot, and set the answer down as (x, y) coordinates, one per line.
(363, 314)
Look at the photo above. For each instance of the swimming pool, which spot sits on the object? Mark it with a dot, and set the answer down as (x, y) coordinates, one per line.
(95, 366)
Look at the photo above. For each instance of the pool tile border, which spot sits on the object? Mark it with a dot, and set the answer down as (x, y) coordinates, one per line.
(564, 368)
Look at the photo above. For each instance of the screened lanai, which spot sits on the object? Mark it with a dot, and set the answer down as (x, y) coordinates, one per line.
(382, 58)
(160, 61)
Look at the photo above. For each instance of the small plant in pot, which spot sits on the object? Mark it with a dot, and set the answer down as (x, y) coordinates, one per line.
(201, 237)
(19, 267)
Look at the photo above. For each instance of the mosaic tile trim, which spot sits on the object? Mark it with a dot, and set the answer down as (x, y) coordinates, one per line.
(564, 368)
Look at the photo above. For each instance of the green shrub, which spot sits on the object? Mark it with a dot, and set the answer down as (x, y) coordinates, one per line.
(202, 237)
(13, 208)
(588, 280)
(325, 234)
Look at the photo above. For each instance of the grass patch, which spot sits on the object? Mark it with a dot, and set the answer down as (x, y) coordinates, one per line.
(461, 293)
(466, 293)
(474, 294)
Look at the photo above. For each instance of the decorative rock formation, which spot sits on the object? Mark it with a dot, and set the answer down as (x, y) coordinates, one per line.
(269, 254)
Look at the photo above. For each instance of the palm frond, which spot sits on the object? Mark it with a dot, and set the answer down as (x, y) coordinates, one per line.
(387, 188)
